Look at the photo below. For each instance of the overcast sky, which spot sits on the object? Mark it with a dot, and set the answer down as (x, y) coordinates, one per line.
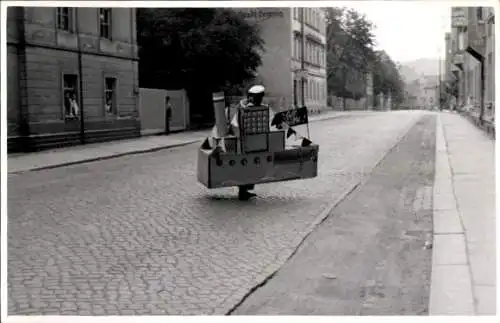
(408, 30)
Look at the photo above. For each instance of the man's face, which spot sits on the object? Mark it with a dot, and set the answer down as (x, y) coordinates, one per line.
(257, 100)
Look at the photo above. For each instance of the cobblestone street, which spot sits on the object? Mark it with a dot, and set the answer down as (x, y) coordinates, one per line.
(137, 235)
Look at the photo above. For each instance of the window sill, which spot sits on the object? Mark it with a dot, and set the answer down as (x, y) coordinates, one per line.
(71, 118)
(67, 32)
(116, 117)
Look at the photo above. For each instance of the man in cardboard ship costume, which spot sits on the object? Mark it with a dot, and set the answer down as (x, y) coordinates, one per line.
(255, 96)
(244, 151)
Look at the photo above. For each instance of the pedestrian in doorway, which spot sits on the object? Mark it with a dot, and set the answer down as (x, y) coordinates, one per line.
(168, 114)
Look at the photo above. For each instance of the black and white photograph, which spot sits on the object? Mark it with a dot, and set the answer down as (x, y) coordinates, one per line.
(248, 158)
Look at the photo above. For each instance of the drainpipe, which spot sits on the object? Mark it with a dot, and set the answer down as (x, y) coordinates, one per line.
(25, 143)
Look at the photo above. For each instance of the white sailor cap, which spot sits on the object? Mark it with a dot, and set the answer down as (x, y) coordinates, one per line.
(256, 89)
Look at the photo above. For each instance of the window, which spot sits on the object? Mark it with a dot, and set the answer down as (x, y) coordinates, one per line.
(296, 45)
(461, 41)
(105, 22)
(479, 13)
(70, 96)
(306, 51)
(63, 18)
(309, 51)
(296, 13)
(491, 85)
(110, 95)
(314, 52)
(318, 55)
(298, 42)
(295, 101)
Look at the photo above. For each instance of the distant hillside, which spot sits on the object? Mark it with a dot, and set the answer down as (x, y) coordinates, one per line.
(413, 70)
(408, 73)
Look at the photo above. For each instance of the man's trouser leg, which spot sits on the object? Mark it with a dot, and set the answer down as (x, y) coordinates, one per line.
(243, 193)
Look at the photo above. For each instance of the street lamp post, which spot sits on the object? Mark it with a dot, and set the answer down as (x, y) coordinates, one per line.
(439, 84)
(80, 77)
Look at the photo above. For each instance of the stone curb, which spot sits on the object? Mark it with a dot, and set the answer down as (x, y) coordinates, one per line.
(132, 152)
(451, 283)
(111, 156)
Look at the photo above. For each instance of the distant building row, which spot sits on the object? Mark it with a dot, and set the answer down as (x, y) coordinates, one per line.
(470, 58)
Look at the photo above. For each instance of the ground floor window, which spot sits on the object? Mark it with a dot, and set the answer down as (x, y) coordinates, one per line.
(295, 94)
(110, 105)
(70, 96)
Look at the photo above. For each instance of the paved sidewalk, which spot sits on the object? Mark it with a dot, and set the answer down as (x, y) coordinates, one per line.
(464, 252)
(18, 163)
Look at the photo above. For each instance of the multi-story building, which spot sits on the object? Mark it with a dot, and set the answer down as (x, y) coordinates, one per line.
(430, 93)
(413, 93)
(447, 62)
(286, 35)
(72, 76)
(473, 56)
(490, 62)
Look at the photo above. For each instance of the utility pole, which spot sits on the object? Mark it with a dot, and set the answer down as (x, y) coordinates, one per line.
(80, 77)
(302, 55)
(439, 85)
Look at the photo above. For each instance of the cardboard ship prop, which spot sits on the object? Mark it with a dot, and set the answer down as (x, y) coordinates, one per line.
(251, 153)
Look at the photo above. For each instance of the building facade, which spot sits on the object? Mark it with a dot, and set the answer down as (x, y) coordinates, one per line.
(448, 55)
(474, 59)
(72, 76)
(281, 70)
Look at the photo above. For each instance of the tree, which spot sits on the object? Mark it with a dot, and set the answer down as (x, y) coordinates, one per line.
(387, 78)
(350, 52)
(202, 50)
(451, 87)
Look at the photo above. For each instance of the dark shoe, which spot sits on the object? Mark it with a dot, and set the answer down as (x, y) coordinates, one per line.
(245, 196)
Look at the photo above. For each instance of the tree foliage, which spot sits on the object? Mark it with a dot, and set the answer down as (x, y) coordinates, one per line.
(387, 78)
(451, 87)
(350, 52)
(197, 49)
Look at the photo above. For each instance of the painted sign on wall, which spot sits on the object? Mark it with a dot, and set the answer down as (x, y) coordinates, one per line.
(262, 13)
